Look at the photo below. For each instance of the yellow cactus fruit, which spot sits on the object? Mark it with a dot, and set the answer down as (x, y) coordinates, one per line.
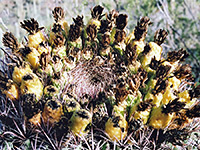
(185, 97)
(156, 98)
(50, 91)
(174, 83)
(52, 112)
(19, 72)
(43, 48)
(31, 55)
(116, 128)
(154, 51)
(35, 35)
(158, 119)
(168, 95)
(162, 116)
(35, 39)
(11, 91)
(72, 105)
(141, 110)
(32, 84)
(36, 119)
(139, 34)
(79, 122)
(139, 46)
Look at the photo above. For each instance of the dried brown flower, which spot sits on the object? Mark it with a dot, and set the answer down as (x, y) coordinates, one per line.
(31, 26)
(74, 32)
(97, 12)
(10, 41)
(79, 21)
(160, 36)
(91, 32)
(120, 36)
(184, 72)
(121, 21)
(58, 14)
(177, 55)
(173, 106)
(141, 28)
(163, 71)
(160, 86)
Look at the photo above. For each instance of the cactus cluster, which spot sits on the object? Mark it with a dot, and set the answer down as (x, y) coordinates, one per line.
(95, 78)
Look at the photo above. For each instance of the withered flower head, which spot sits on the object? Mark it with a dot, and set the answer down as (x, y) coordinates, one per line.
(160, 36)
(147, 49)
(56, 59)
(177, 136)
(59, 40)
(120, 36)
(144, 105)
(31, 26)
(142, 75)
(163, 71)
(97, 12)
(120, 91)
(194, 111)
(44, 59)
(25, 51)
(141, 28)
(92, 32)
(10, 41)
(112, 15)
(27, 77)
(154, 63)
(137, 80)
(184, 72)
(173, 106)
(58, 14)
(195, 92)
(3, 81)
(177, 55)
(74, 32)
(83, 114)
(56, 75)
(50, 89)
(121, 21)
(78, 21)
(57, 28)
(105, 40)
(30, 105)
(130, 53)
(106, 26)
(53, 104)
(134, 82)
(160, 86)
